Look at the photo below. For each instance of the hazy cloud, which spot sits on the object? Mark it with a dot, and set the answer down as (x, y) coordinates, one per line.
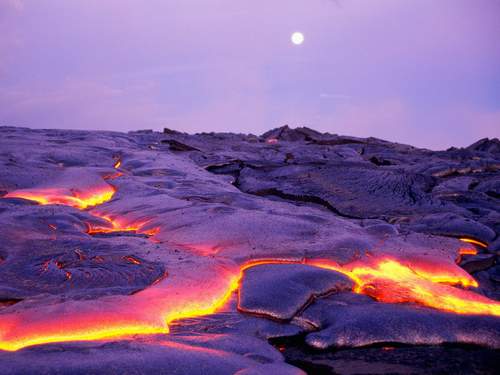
(418, 71)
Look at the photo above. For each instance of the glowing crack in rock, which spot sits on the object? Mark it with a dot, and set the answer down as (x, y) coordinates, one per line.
(475, 242)
(67, 197)
(467, 251)
(120, 225)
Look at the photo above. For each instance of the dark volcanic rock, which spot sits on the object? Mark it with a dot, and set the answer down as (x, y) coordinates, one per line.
(397, 360)
(476, 263)
(285, 133)
(265, 288)
(448, 224)
(80, 269)
(374, 323)
(486, 145)
(232, 322)
(188, 355)
(353, 190)
(178, 146)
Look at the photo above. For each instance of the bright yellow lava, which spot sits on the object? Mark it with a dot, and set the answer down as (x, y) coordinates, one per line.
(475, 242)
(68, 198)
(387, 280)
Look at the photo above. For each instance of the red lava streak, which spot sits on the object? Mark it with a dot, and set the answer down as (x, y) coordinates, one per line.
(132, 260)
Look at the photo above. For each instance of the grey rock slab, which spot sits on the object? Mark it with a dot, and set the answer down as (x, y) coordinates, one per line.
(351, 189)
(233, 322)
(494, 273)
(279, 291)
(200, 354)
(352, 321)
(476, 263)
(450, 224)
(393, 359)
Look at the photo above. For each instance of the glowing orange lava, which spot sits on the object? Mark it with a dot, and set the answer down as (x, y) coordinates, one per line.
(73, 198)
(475, 242)
(390, 281)
(113, 176)
(467, 251)
(148, 312)
(119, 225)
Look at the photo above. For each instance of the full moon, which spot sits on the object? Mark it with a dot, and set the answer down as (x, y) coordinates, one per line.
(297, 38)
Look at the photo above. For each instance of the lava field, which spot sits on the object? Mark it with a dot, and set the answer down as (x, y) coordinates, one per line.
(215, 253)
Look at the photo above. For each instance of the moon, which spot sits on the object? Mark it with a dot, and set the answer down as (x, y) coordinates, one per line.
(297, 38)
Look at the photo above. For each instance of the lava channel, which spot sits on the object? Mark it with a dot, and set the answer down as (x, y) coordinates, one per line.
(390, 281)
(67, 197)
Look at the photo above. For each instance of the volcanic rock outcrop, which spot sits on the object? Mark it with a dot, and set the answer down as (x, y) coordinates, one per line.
(194, 253)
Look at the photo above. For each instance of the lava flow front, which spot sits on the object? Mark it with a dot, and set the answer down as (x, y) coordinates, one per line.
(390, 281)
(119, 225)
(67, 197)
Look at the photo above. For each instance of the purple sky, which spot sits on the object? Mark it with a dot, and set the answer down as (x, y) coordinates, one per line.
(423, 72)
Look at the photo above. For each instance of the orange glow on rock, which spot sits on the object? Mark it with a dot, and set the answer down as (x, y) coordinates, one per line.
(98, 330)
(117, 225)
(475, 242)
(467, 251)
(144, 313)
(272, 141)
(132, 260)
(73, 198)
(118, 164)
(113, 176)
(390, 281)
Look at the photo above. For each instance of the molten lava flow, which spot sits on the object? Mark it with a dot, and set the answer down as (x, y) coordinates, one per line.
(152, 310)
(117, 174)
(390, 281)
(118, 225)
(73, 198)
(475, 242)
(467, 251)
(113, 176)
(147, 312)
